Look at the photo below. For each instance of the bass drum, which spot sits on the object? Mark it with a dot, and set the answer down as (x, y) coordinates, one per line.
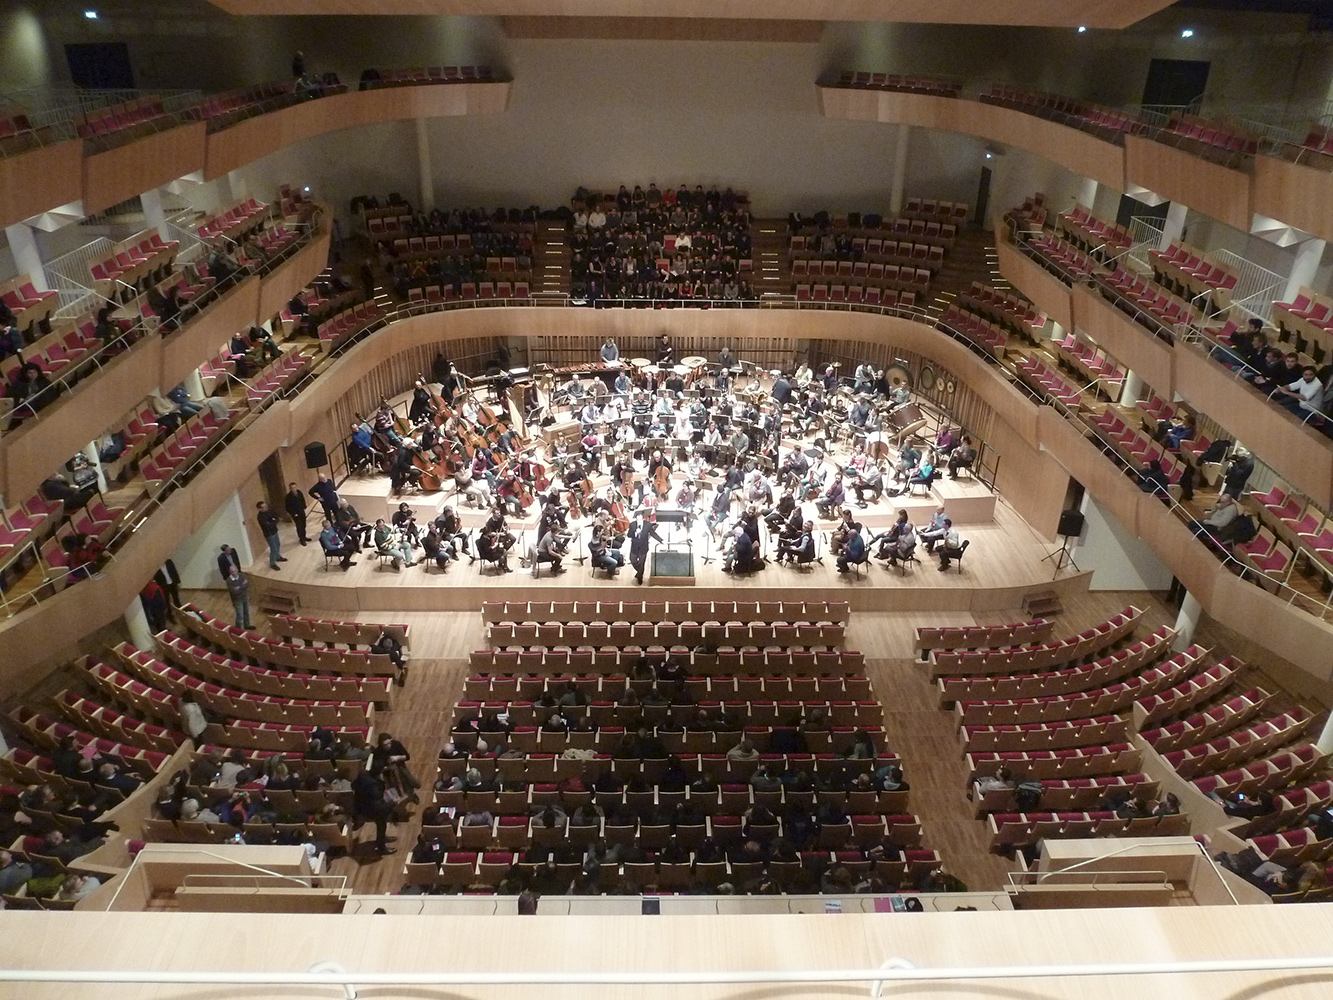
(897, 375)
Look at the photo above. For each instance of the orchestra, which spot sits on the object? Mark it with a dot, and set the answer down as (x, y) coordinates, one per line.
(593, 449)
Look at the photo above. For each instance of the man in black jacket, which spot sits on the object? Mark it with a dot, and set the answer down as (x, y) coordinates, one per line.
(295, 504)
(268, 525)
(639, 534)
(369, 803)
(228, 558)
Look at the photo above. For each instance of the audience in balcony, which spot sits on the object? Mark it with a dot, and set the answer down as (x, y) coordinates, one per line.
(678, 245)
(31, 391)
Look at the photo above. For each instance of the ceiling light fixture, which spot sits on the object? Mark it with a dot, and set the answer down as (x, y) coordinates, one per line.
(90, 15)
(1187, 33)
(1082, 29)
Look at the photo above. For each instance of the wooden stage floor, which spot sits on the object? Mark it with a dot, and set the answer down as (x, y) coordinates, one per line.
(1006, 559)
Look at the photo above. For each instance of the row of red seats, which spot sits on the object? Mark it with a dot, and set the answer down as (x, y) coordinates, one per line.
(1043, 377)
(933, 85)
(1213, 134)
(243, 704)
(559, 661)
(47, 733)
(981, 331)
(1193, 273)
(1084, 704)
(133, 261)
(1060, 734)
(1007, 660)
(633, 611)
(1106, 670)
(1167, 310)
(233, 221)
(1010, 830)
(1063, 254)
(1092, 362)
(278, 375)
(1135, 446)
(1005, 307)
(1181, 698)
(182, 447)
(432, 74)
(700, 687)
(1081, 226)
(764, 712)
(889, 298)
(1289, 809)
(110, 724)
(1236, 746)
(1070, 793)
(545, 767)
(1058, 765)
(28, 305)
(117, 117)
(370, 671)
(574, 634)
(977, 636)
(470, 291)
(264, 680)
(331, 631)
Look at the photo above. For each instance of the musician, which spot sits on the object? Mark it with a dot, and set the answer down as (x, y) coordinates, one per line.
(720, 510)
(781, 511)
(640, 534)
(833, 497)
(813, 415)
(591, 415)
(698, 415)
(758, 490)
(450, 528)
(888, 538)
(962, 457)
(722, 379)
(664, 408)
(847, 525)
(829, 380)
(333, 542)
(853, 551)
(675, 384)
(435, 549)
(687, 496)
(802, 548)
(402, 472)
(351, 525)
(666, 354)
(553, 513)
(859, 414)
(900, 395)
(532, 401)
(903, 547)
(610, 352)
(804, 376)
(476, 490)
(740, 442)
(622, 383)
(360, 448)
(508, 491)
(423, 407)
(451, 382)
(621, 471)
(924, 475)
(908, 460)
(659, 461)
(592, 448)
(725, 358)
(945, 440)
(741, 554)
(494, 547)
(506, 441)
(934, 531)
(869, 480)
(781, 390)
(863, 379)
(550, 549)
(712, 440)
(951, 545)
(384, 424)
(405, 520)
(603, 555)
(391, 542)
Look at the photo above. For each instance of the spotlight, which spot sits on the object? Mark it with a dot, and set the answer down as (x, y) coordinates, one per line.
(1187, 33)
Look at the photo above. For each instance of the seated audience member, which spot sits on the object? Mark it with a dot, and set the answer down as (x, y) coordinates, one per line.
(1218, 519)
(1304, 395)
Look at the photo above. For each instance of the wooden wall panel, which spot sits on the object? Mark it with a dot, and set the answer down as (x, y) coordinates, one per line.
(1191, 180)
(1270, 621)
(1298, 454)
(1083, 460)
(129, 170)
(1047, 291)
(259, 136)
(1171, 540)
(38, 181)
(1299, 195)
(1028, 479)
(67, 425)
(1124, 340)
(202, 338)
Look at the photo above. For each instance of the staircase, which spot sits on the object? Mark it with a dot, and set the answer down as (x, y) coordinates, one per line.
(768, 245)
(551, 257)
(971, 258)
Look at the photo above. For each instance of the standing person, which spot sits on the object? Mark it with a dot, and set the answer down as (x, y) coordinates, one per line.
(639, 534)
(239, 588)
(154, 602)
(370, 802)
(295, 504)
(268, 524)
(327, 494)
(169, 579)
(227, 560)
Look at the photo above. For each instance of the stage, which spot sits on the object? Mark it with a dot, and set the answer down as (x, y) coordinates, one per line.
(1005, 561)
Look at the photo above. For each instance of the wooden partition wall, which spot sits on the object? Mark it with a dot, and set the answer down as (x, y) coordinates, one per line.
(1039, 450)
(29, 454)
(1300, 455)
(61, 174)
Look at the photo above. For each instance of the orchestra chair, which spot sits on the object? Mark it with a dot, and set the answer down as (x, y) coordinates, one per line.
(957, 559)
(913, 484)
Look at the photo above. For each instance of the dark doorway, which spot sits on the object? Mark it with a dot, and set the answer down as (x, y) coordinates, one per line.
(1132, 207)
(100, 65)
(1175, 83)
(983, 196)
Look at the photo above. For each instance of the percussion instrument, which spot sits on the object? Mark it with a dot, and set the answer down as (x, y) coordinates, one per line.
(908, 419)
(639, 362)
(680, 369)
(694, 361)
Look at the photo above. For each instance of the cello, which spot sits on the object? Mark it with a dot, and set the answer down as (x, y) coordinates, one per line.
(662, 479)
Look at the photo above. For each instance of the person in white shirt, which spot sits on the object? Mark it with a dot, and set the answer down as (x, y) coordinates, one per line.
(1304, 393)
(951, 546)
(804, 376)
(596, 219)
(610, 352)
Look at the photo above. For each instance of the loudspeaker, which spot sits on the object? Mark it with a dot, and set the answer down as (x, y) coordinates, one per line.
(1071, 523)
(316, 457)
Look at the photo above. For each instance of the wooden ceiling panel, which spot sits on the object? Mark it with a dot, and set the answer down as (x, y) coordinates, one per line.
(1047, 13)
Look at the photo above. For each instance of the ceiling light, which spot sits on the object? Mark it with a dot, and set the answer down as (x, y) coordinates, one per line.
(90, 15)
(1082, 29)
(1187, 33)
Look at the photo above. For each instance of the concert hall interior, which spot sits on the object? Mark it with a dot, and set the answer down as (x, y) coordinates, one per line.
(841, 485)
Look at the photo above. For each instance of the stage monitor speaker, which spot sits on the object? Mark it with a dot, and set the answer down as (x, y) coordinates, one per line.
(1071, 523)
(316, 457)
